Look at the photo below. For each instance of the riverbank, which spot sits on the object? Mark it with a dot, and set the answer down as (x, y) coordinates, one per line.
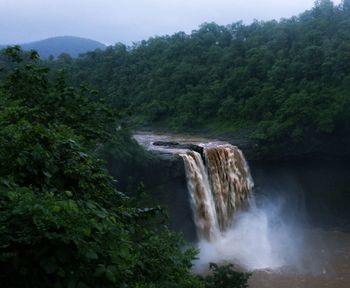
(254, 149)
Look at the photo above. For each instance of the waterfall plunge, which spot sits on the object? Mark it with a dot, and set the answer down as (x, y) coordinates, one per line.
(201, 197)
(229, 226)
(230, 181)
(218, 189)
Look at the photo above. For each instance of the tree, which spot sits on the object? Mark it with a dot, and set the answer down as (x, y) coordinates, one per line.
(62, 222)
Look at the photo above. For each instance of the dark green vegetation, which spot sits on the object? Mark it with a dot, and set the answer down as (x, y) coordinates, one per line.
(224, 276)
(283, 83)
(62, 223)
(69, 45)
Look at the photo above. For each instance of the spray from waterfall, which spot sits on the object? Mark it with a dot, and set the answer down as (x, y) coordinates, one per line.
(230, 227)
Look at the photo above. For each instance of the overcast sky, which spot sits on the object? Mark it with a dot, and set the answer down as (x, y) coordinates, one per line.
(127, 21)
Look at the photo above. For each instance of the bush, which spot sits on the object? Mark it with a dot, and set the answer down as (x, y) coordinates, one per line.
(62, 223)
(225, 277)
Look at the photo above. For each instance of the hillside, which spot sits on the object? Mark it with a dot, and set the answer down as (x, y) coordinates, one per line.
(65, 44)
(58, 204)
(284, 83)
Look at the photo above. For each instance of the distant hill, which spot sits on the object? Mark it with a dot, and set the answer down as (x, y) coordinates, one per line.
(63, 44)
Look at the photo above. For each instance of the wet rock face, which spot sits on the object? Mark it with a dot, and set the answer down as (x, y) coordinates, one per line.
(166, 143)
(164, 181)
(248, 147)
(177, 145)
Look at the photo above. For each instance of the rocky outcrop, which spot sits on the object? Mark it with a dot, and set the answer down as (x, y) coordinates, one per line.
(177, 145)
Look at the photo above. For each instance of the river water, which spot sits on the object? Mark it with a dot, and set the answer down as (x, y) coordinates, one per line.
(297, 234)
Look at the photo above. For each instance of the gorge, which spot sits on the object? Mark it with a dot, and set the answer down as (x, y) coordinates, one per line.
(277, 229)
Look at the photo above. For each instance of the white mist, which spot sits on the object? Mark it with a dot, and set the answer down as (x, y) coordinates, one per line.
(259, 238)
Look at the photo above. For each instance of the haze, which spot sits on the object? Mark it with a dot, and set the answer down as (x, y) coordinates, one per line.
(127, 21)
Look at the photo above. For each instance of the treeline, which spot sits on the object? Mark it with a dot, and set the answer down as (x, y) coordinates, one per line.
(62, 222)
(284, 83)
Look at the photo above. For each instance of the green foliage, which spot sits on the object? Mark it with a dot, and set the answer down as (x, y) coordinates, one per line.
(51, 159)
(287, 78)
(225, 277)
(65, 242)
(28, 88)
(49, 241)
(62, 223)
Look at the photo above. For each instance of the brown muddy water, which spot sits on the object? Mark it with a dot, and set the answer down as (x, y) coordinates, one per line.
(325, 263)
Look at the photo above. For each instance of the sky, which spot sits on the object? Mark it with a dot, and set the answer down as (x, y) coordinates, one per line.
(128, 21)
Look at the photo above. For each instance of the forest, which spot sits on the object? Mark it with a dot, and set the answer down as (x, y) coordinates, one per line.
(62, 222)
(284, 83)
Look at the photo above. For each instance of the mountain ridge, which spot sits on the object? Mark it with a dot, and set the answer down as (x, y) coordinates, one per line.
(55, 46)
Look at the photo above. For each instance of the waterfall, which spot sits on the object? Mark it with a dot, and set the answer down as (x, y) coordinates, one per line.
(231, 227)
(218, 188)
(230, 180)
(201, 197)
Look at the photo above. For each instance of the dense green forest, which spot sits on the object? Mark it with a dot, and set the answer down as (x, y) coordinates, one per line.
(62, 222)
(284, 83)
